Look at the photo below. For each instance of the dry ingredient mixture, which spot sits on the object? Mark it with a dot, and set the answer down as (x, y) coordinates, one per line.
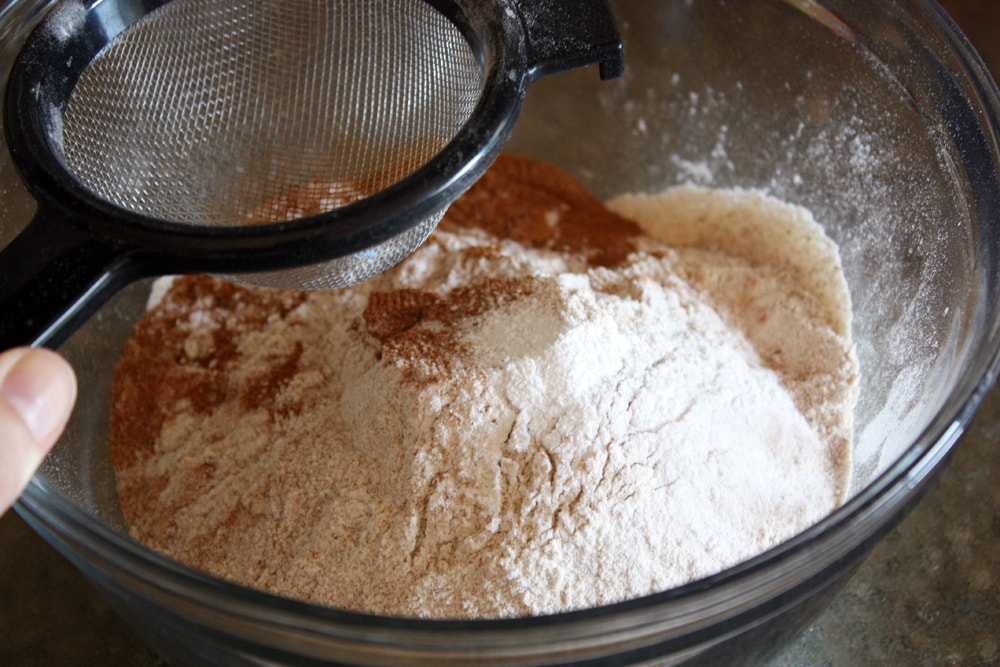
(552, 404)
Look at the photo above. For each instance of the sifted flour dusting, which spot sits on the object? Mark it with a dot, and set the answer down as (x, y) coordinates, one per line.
(542, 409)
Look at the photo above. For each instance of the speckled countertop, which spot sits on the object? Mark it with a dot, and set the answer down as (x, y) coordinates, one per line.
(928, 595)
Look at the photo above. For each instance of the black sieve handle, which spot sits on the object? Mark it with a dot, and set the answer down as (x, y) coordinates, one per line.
(53, 276)
(566, 34)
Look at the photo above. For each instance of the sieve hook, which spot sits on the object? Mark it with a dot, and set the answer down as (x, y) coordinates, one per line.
(566, 34)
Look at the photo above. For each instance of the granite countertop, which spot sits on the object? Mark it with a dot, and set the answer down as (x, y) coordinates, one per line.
(928, 595)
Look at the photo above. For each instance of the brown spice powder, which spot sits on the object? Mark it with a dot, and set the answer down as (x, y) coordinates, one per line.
(517, 198)
(161, 367)
(413, 324)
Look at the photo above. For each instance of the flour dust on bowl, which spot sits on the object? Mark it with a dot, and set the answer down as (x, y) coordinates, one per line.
(882, 123)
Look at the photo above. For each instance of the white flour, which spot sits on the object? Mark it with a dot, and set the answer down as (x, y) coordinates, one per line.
(558, 437)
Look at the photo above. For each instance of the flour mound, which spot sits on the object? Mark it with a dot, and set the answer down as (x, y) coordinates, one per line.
(516, 420)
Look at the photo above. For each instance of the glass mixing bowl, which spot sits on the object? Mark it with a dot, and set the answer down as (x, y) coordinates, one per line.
(877, 116)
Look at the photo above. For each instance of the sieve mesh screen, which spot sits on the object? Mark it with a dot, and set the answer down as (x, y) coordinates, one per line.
(229, 113)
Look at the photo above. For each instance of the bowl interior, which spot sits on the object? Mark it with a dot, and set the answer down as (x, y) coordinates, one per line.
(873, 124)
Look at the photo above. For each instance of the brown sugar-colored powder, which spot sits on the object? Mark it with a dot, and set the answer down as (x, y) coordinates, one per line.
(540, 206)
(415, 324)
(175, 365)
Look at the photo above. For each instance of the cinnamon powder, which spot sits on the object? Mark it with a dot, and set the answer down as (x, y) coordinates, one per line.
(537, 206)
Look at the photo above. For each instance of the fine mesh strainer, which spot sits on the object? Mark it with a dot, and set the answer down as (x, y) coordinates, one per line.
(302, 143)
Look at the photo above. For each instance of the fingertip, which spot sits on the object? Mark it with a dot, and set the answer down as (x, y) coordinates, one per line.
(37, 393)
(41, 388)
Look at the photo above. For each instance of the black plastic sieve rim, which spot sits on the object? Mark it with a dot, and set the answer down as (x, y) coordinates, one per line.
(336, 233)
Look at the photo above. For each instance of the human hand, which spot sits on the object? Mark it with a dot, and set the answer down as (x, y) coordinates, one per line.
(37, 393)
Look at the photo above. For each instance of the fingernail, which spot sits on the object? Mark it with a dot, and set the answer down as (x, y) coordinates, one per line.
(41, 387)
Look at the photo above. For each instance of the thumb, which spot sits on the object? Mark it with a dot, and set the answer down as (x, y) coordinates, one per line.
(37, 392)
